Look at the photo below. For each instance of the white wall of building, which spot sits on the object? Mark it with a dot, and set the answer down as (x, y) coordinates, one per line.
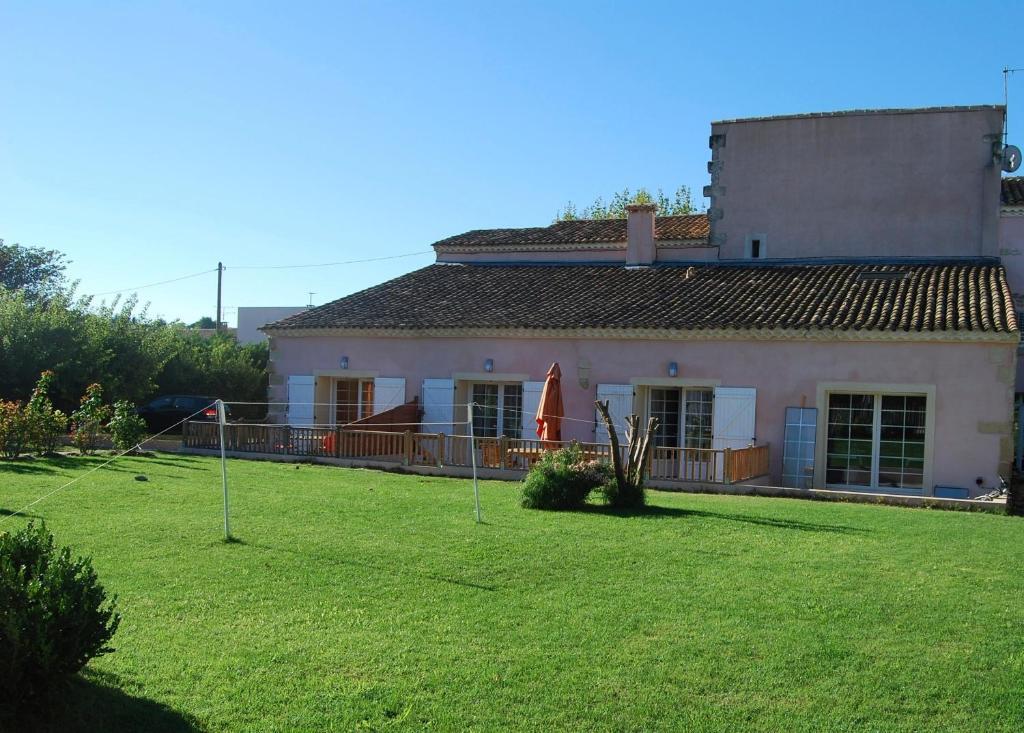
(251, 318)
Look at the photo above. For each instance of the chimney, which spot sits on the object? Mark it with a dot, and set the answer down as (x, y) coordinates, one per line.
(640, 246)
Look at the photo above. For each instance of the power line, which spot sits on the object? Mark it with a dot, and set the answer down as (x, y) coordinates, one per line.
(260, 267)
(332, 264)
(153, 285)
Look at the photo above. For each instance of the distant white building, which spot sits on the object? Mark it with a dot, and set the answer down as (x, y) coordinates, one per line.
(250, 319)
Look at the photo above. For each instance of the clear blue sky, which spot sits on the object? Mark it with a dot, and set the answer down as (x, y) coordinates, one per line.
(149, 140)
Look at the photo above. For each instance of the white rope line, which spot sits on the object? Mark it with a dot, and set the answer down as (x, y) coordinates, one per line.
(368, 426)
(97, 468)
(491, 409)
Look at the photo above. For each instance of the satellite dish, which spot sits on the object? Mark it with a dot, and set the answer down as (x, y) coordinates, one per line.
(1011, 158)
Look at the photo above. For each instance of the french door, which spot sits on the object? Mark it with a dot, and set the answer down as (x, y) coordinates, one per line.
(498, 410)
(684, 416)
(875, 441)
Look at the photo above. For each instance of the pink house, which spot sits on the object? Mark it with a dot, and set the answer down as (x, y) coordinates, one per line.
(842, 302)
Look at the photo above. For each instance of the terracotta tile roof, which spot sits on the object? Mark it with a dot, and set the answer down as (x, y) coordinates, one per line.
(1013, 191)
(950, 297)
(581, 231)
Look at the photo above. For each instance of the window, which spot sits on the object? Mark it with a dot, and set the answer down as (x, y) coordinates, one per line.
(665, 407)
(756, 247)
(353, 400)
(684, 416)
(699, 404)
(497, 406)
(876, 440)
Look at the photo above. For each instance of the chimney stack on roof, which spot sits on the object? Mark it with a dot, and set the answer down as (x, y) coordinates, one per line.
(640, 245)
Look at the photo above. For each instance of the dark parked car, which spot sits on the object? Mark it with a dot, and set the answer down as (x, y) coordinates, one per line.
(163, 412)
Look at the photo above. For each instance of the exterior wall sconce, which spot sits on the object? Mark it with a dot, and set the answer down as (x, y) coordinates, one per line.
(488, 365)
(673, 369)
(583, 373)
(344, 362)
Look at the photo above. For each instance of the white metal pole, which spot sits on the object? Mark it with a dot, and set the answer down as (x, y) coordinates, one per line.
(472, 454)
(222, 419)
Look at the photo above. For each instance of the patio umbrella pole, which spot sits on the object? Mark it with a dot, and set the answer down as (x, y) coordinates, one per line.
(472, 457)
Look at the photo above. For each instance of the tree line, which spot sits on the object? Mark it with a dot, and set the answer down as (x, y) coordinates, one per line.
(46, 326)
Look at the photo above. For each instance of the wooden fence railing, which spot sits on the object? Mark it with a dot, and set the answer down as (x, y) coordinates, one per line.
(439, 450)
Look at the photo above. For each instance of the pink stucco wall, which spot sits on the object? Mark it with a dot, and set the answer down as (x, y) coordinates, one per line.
(973, 382)
(883, 184)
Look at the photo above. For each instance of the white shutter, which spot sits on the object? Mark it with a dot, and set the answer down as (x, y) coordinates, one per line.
(438, 396)
(388, 392)
(620, 406)
(301, 396)
(733, 419)
(531, 401)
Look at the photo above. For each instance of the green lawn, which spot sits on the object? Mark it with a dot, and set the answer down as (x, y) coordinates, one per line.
(367, 600)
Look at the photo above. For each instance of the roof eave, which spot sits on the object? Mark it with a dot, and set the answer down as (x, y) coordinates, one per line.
(676, 334)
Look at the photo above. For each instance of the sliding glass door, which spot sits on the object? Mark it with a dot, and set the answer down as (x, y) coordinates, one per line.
(875, 441)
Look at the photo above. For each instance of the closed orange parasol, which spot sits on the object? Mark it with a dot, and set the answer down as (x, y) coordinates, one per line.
(550, 410)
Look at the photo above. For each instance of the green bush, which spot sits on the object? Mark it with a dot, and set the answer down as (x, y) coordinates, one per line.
(54, 615)
(629, 496)
(46, 425)
(14, 430)
(126, 428)
(563, 479)
(87, 421)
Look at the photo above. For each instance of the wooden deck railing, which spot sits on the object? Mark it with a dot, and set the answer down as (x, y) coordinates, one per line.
(439, 450)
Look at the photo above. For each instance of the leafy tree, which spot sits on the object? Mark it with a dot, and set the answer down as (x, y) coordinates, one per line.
(119, 346)
(37, 272)
(126, 428)
(87, 421)
(680, 204)
(205, 322)
(46, 424)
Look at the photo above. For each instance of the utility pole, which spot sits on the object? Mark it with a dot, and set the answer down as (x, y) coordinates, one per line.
(220, 278)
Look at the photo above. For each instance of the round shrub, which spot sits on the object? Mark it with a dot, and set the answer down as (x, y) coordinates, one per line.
(562, 479)
(54, 614)
(126, 428)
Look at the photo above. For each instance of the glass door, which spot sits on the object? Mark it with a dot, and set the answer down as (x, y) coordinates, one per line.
(876, 441)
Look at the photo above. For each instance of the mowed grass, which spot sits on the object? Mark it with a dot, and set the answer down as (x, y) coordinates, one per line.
(366, 600)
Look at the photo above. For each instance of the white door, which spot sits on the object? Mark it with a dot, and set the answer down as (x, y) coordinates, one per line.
(531, 401)
(733, 421)
(620, 406)
(301, 396)
(388, 392)
(438, 397)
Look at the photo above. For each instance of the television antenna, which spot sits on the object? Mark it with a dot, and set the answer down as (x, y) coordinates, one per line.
(311, 294)
(1010, 155)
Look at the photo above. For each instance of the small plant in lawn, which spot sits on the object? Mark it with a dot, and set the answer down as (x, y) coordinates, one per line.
(87, 421)
(126, 428)
(14, 430)
(54, 614)
(46, 425)
(563, 479)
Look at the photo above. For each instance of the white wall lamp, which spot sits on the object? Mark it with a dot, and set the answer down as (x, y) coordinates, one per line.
(673, 369)
(344, 362)
(488, 365)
